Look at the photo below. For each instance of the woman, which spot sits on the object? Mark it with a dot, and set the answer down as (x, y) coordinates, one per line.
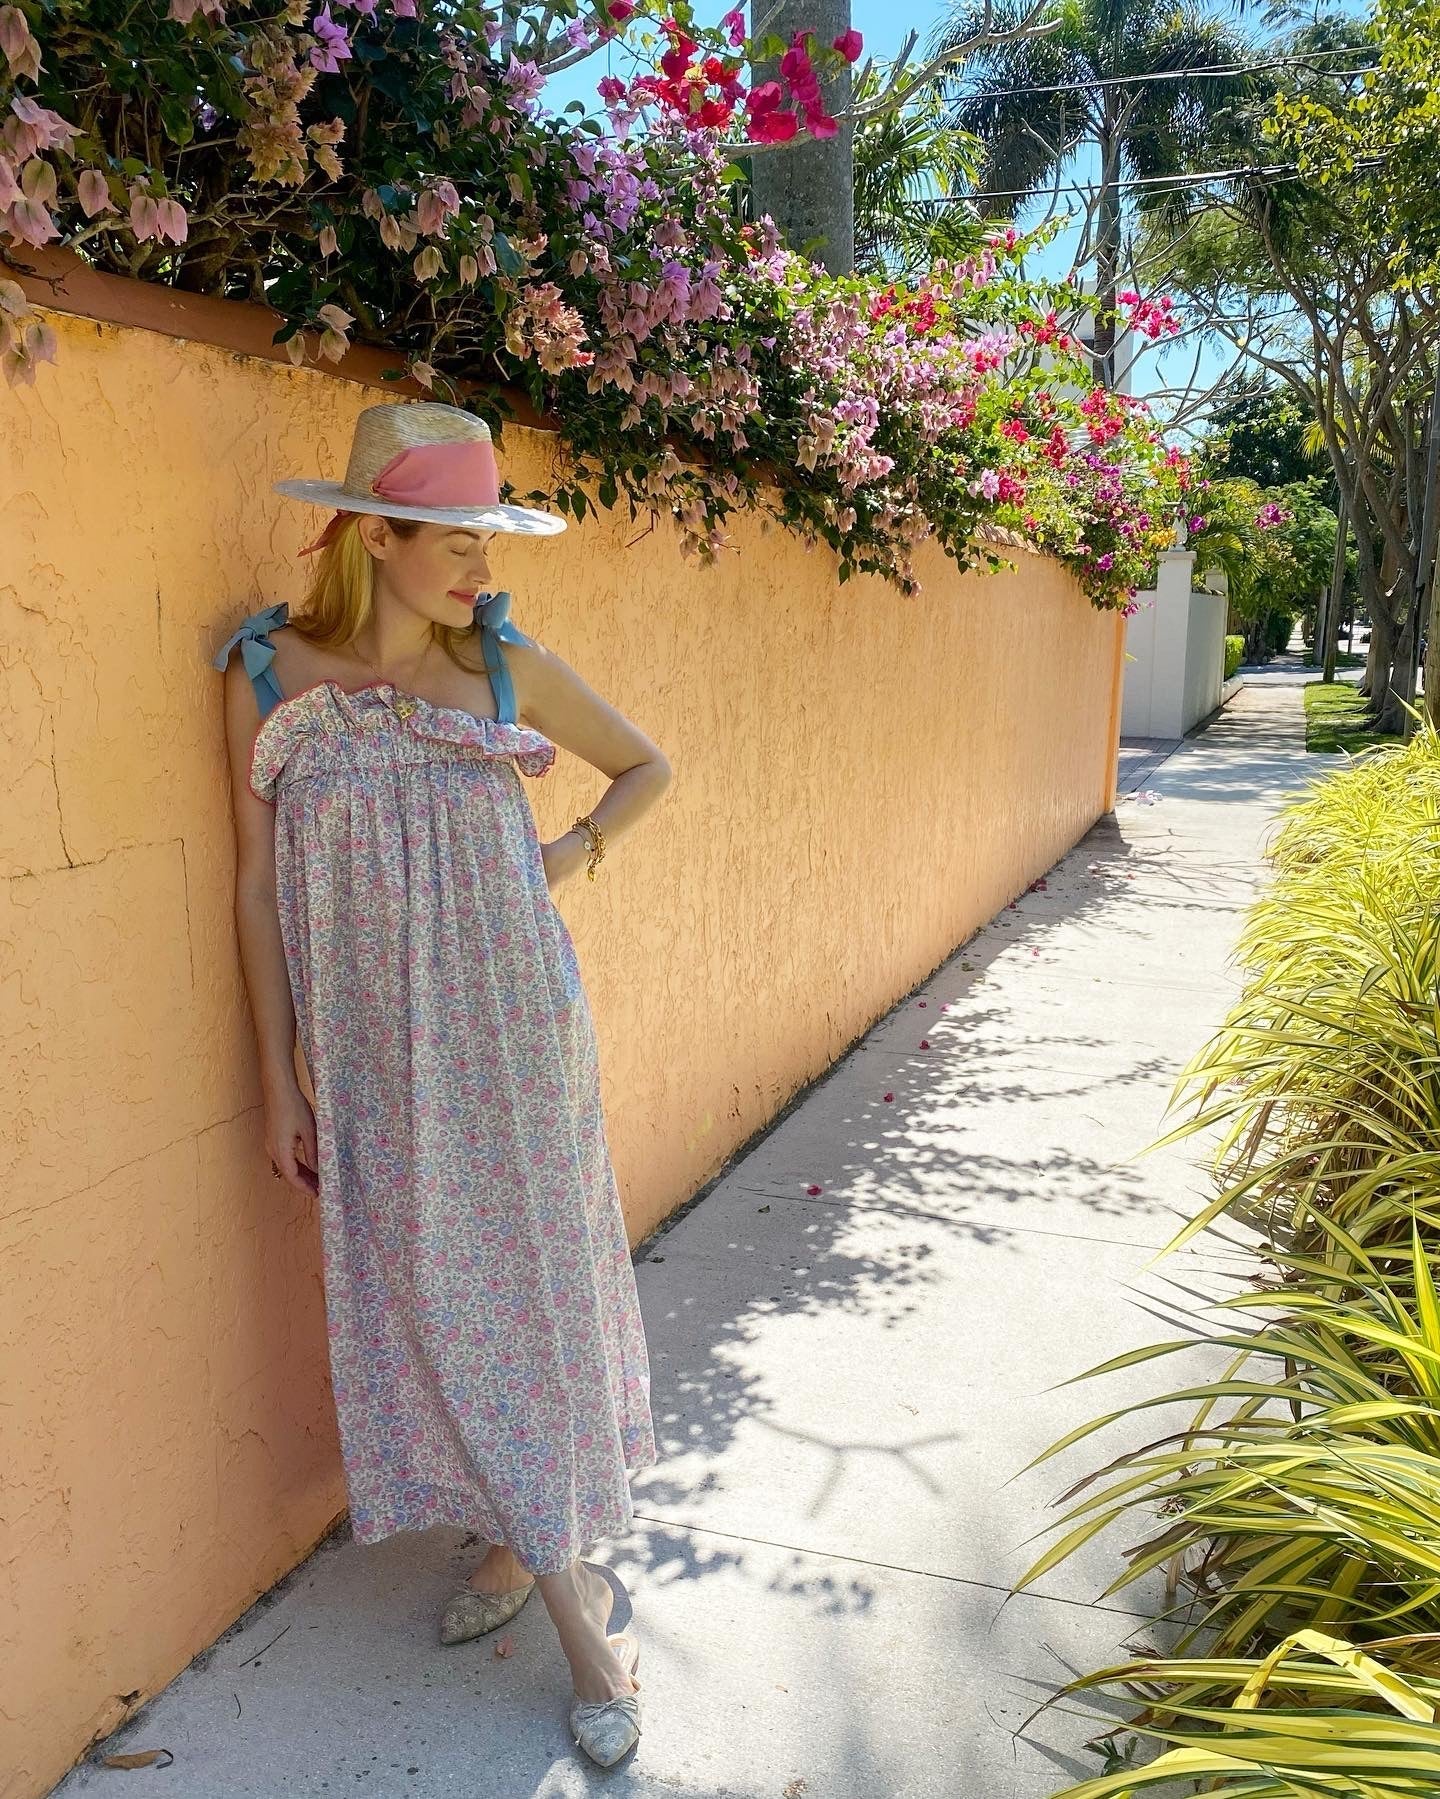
(393, 909)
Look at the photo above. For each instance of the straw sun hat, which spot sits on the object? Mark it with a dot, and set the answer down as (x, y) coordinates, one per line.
(417, 459)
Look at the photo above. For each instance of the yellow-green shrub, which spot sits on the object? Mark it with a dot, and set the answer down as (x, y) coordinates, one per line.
(1301, 1506)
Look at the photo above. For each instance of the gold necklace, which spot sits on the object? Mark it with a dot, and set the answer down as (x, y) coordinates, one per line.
(389, 681)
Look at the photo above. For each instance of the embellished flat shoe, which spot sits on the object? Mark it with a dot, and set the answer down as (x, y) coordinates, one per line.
(608, 1729)
(470, 1614)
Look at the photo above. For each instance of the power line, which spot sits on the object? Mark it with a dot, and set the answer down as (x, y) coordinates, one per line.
(1281, 171)
(1279, 62)
(1089, 187)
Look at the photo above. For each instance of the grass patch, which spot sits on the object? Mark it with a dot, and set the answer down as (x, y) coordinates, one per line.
(1333, 715)
(1343, 659)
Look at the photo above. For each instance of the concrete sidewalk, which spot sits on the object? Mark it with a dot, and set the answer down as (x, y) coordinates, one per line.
(856, 1336)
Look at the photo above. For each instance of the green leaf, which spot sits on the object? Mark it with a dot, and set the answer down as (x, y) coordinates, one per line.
(176, 119)
(509, 259)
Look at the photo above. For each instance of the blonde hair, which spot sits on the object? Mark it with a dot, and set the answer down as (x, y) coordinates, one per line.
(341, 596)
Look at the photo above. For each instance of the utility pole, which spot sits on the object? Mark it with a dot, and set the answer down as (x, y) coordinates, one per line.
(808, 188)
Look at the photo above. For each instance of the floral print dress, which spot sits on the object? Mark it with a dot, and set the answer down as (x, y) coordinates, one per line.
(487, 1353)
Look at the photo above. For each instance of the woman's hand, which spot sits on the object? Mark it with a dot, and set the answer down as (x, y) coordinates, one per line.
(290, 1138)
(564, 857)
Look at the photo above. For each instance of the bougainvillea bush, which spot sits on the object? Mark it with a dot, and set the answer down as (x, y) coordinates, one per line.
(387, 171)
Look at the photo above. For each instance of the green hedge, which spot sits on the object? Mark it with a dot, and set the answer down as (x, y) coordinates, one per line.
(1234, 654)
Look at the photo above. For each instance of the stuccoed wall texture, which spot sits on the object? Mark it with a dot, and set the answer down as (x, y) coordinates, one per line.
(860, 782)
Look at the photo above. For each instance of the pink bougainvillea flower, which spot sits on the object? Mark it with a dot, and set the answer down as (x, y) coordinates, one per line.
(39, 128)
(329, 243)
(733, 25)
(333, 45)
(924, 1043)
(28, 219)
(333, 340)
(94, 192)
(172, 220)
(10, 192)
(888, 1098)
(35, 343)
(22, 52)
(523, 81)
(144, 215)
(812, 1191)
(849, 44)
(821, 124)
(435, 205)
(775, 126)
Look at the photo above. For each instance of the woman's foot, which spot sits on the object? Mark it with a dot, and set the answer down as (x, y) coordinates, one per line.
(500, 1572)
(580, 1601)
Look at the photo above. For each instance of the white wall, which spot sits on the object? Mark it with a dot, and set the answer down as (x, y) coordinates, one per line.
(1175, 654)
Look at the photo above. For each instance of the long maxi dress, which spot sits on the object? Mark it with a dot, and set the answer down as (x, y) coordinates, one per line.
(487, 1353)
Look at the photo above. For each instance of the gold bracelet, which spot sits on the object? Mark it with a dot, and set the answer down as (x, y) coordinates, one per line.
(595, 838)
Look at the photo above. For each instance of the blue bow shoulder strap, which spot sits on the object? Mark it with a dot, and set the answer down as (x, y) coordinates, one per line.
(496, 628)
(257, 653)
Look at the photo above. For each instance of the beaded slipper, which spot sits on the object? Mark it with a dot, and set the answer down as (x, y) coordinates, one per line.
(607, 1729)
(470, 1614)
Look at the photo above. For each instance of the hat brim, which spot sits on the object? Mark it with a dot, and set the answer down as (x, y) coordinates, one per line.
(525, 521)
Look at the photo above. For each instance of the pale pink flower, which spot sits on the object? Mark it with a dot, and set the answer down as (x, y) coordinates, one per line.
(144, 215)
(173, 220)
(94, 193)
(48, 129)
(29, 217)
(21, 50)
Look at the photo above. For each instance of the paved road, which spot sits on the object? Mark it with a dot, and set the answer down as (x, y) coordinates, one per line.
(847, 1381)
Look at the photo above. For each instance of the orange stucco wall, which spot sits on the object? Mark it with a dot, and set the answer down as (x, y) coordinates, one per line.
(860, 781)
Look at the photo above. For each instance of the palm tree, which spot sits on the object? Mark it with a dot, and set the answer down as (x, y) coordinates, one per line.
(908, 165)
(1090, 81)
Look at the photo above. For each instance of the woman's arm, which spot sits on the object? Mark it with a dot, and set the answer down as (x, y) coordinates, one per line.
(553, 699)
(289, 1122)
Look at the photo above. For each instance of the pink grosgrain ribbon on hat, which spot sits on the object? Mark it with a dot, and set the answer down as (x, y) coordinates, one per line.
(460, 475)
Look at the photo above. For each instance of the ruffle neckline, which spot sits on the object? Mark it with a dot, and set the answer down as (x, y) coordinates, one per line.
(286, 722)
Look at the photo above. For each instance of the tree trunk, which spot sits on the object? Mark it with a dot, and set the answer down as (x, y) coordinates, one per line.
(1385, 644)
(1326, 647)
(808, 188)
(1429, 516)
